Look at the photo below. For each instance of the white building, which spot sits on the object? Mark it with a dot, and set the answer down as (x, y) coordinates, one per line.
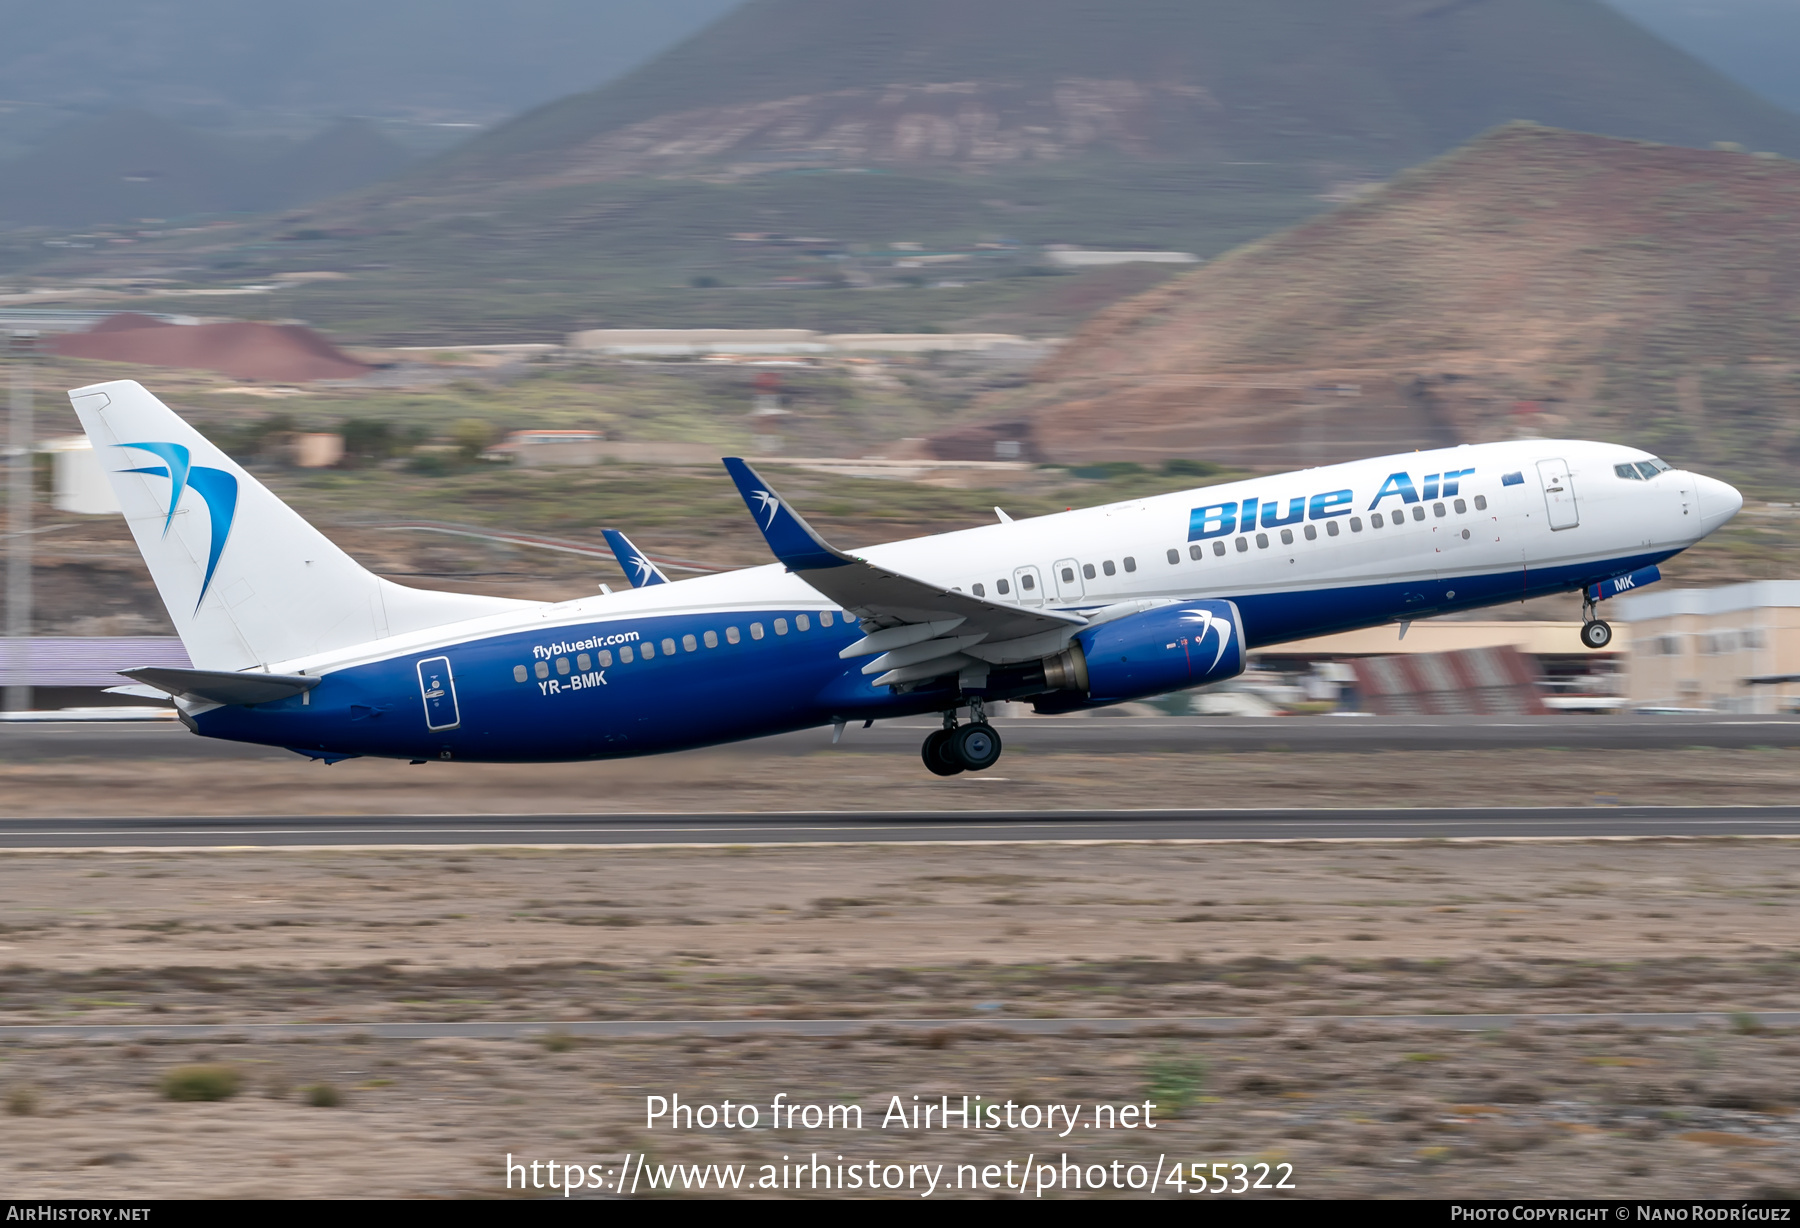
(1734, 649)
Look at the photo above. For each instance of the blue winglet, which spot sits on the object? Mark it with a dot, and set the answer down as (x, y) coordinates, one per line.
(793, 540)
(633, 562)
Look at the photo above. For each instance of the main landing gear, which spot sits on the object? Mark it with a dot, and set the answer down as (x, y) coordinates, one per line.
(974, 747)
(1595, 633)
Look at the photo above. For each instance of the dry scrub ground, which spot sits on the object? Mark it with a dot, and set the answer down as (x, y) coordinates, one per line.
(966, 933)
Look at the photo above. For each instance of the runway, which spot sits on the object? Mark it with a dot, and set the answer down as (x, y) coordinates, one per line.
(982, 827)
(1099, 734)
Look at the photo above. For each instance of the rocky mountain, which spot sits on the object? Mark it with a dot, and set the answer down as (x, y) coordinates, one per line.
(1535, 281)
(1351, 87)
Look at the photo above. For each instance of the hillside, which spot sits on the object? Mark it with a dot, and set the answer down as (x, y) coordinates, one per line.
(1534, 281)
(1369, 85)
(781, 166)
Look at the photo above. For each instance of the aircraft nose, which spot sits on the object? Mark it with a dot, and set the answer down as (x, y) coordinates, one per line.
(1719, 501)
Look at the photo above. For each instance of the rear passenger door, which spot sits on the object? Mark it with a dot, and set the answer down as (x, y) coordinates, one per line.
(1028, 585)
(1068, 581)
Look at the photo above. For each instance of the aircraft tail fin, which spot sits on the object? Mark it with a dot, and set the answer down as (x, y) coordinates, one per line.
(246, 581)
(633, 562)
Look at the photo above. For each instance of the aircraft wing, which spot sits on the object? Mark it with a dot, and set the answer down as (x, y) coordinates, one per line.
(919, 629)
(633, 562)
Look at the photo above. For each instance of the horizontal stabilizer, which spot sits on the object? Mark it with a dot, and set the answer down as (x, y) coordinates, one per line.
(222, 686)
(633, 562)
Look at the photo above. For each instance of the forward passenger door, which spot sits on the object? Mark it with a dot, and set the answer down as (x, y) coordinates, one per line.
(1559, 494)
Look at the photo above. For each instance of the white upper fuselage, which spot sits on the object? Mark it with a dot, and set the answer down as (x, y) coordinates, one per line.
(1316, 531)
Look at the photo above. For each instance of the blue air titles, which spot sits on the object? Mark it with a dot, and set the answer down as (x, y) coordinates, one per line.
(1224, 519)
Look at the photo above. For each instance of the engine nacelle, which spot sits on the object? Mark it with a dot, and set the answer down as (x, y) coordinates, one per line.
(1170, 648)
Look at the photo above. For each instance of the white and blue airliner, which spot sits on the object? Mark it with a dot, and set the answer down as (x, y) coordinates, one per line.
(296, 645)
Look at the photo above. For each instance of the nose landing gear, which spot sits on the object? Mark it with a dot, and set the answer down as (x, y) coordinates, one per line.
(974, 747)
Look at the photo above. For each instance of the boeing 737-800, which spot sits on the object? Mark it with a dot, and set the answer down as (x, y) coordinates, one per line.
(294, 644)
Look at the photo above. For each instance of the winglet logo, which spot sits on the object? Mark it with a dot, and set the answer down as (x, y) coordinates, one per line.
(1208, 621)
(770, 504)
(646, 570)
(216, 488)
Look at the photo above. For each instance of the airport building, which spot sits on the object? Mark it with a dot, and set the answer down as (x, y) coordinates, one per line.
(1735, 648)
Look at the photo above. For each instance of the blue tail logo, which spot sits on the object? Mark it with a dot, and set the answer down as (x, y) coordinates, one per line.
(216, 488)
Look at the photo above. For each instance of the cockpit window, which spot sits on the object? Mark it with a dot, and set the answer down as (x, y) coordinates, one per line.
(1629, 472)
(1651, 468)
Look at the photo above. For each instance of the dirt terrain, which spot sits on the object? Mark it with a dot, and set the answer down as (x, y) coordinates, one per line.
(1278, 932)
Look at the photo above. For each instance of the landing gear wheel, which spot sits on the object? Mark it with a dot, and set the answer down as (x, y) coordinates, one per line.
(976, 746)
(937, 755)
(1596, 634)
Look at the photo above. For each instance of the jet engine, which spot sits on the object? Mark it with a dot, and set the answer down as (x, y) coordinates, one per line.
(1170, 648)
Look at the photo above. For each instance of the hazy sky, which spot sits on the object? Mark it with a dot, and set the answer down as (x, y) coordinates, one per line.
(1756, 41)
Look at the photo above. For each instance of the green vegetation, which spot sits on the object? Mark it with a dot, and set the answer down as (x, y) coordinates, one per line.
(1174, 1083)
(207, 1081)
(322, 1096)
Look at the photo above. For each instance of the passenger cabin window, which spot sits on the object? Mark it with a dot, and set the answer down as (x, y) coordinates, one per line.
(647, 650)
(1331, 529)
(1312, 533)
(1108, 568)
(731, 635)
(669, 648)
(1087, 569)
(562, 665)
(710, 639)
(1243, 544)
(689, 643)
(519, 674)
(1262, 541)
(625, 655)
(979, 589)
(1002, 587)
(826, 617)
(1419, 513)
(781, 626)
(1174, 557)
(584, 663)
(1219, 549)
(1437, 509)
(1194, 552)
(802, 623)
(756, 631)
(1130, 563)
(542, 668)
(1356, 524)
(1481, 503)
(1287, 537)
(1028, 581)
(605, 658)
(1068, 575)
(1461, 507)
(1374, 520)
